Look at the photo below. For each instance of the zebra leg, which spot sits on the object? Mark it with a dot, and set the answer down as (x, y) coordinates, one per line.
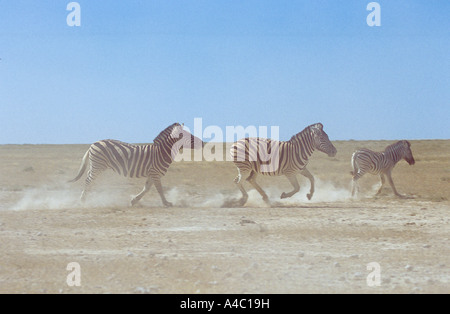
(83, 196)
(355, 187)
(391, 182)
(147, 186)
(293, 179)
(252, 179)
(91, 176)
(305, 172)
(382, 183)
(237, 180)
(159, 188)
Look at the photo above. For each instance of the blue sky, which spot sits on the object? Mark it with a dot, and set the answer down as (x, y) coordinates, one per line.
(134, 67)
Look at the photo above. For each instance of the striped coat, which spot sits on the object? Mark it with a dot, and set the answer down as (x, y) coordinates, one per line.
(135, 161)
(380, 163)
(255, 156)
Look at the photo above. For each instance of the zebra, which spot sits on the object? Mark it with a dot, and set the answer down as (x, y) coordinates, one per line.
(151, 161)
(250, 155)
(381, 163)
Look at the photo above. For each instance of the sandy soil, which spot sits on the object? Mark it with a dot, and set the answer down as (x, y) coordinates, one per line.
(296, 246)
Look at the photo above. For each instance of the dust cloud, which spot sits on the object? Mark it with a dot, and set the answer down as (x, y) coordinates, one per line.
(324, 192)
(63, 197)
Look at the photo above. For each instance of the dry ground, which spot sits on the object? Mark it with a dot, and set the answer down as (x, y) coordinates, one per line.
(296, 246)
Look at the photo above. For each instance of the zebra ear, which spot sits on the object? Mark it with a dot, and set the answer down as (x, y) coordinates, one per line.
(317, 127)
(177, 130)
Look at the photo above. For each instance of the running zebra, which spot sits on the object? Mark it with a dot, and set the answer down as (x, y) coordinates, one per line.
(274, 158)
(381, 163)
(135, 161)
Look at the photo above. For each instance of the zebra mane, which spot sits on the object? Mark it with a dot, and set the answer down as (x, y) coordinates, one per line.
(395, 145)
(306, 131)
(163, 136)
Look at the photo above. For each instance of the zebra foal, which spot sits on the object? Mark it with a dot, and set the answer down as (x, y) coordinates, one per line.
(135, 161)
(252, 155)
(381, 163)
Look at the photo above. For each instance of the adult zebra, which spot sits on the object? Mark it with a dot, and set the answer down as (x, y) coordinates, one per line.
(381, 163)
(151, 161)
(252, 155)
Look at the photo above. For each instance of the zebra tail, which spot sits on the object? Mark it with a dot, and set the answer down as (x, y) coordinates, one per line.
(82, 167)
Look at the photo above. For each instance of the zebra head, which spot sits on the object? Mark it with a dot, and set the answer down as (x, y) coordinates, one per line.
(321, 140)
(407, 153)
(184, 139)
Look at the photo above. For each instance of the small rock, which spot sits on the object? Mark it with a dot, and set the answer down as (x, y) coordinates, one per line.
(336, 264)
(426, 246)
(39, 234)
(354, 256)
(301, 254)
(408, 267)
(129, 254)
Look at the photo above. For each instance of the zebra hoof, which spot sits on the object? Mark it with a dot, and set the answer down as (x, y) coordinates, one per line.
(238, 203)
(134, 201)
(283, 195)
(168, 204)
(309, 196)
(242, 201)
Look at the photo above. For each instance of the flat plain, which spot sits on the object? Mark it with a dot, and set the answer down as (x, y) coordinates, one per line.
(198, 246)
